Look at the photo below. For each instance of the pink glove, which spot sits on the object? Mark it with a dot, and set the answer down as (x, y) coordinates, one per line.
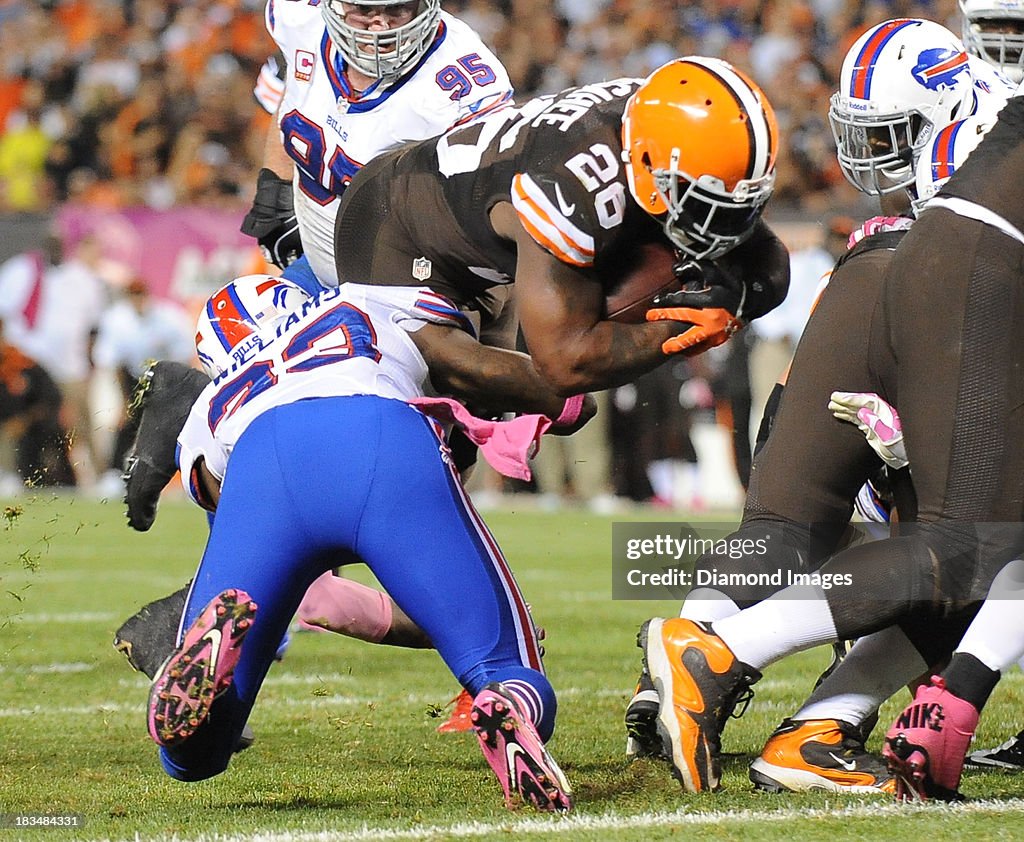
(877, 420)
(877, 224)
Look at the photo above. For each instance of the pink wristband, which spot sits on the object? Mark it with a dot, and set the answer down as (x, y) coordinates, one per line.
(571, 411)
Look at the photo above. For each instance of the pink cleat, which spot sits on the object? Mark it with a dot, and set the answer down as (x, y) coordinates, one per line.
(926, 745)
(200, 669)
(514, 750)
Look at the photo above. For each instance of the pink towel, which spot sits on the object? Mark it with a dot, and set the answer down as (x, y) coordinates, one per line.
(506, 445)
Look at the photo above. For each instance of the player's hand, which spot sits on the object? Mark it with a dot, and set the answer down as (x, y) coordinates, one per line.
(271, 220)
(701, 329)
(877, 420)
(705, 285)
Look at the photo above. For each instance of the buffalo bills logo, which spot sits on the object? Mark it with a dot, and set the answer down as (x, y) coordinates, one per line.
(938, 68)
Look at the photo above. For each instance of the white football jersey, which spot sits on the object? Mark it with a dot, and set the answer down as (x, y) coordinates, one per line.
(331, 133)
(350, 340)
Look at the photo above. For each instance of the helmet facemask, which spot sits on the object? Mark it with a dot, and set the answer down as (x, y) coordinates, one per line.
(877, 153)
(705, 219)
(384, 54)
(999, 41)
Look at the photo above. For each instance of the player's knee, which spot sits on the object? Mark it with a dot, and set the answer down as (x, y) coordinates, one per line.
(191, 770)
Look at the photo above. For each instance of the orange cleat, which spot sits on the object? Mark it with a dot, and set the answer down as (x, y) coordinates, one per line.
(460, 716)
(819, 755)
(699, 683)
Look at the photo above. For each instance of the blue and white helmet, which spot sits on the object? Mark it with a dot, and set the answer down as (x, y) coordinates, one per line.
(945, 153)
(229, 326)
(901, 82)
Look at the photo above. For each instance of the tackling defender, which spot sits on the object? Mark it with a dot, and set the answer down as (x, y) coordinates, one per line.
(358, 79)
(353, 357)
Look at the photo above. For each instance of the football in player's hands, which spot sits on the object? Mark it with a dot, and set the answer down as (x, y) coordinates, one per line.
(703, 285)
(648, 274)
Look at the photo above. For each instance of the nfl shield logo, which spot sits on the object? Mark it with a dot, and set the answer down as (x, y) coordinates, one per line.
(421, 268)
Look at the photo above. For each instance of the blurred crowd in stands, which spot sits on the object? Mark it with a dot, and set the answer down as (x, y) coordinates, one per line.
(113, 104)
(120, 102)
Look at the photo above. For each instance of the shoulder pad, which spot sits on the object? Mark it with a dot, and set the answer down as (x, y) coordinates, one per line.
(880, 240)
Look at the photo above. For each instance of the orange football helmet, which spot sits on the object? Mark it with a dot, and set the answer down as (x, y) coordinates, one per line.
(700, 141)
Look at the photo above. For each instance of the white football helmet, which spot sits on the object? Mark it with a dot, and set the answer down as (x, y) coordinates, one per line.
(945, 153)
(383, 54)
(901, 81)
(229, 326)
(994, 31)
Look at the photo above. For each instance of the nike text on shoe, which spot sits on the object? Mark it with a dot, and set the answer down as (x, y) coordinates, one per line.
(699, 682)
(819, 755)
(461, 716)
(200, 669)
(514, 750)
(925, 747)
(642, 738)
(1008, 756)
(160, 406)
(147, 638)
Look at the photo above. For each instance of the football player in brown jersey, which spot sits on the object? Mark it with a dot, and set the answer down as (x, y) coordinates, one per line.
(805, 478)
(942, 338)
(557, 196)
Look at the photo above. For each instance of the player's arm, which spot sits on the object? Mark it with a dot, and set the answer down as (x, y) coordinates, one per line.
(271, 220)
(762, 264)
(561, 309)
(207, 485)
(275, 158)
(491, 378)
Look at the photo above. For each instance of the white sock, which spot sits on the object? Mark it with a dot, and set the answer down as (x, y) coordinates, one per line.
(996, 635)
(875, 668)
(705, 605)
(794, 619)
(661, 475)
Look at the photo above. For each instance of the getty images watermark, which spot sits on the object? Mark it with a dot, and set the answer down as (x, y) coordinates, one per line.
(659, 560)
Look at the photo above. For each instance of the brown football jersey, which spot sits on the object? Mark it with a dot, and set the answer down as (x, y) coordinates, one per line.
(420, 215)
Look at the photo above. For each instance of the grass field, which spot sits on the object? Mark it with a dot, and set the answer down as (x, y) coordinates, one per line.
(346, 747)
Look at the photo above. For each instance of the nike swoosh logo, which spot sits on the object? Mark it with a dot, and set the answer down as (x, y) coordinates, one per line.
(563, 205)
(848, 765)
(215, 637)
(511, 750)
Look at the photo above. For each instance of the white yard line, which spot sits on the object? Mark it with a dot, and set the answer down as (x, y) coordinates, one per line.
(74, 617)
(614, 821)
(307, 699)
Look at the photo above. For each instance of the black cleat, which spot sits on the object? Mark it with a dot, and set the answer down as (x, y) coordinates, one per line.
(160, 406)
(642, 737)
(148, 637)
(1009, 756)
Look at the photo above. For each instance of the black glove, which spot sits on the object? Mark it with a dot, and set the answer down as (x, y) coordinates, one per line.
(705, 286)
(271, 220)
